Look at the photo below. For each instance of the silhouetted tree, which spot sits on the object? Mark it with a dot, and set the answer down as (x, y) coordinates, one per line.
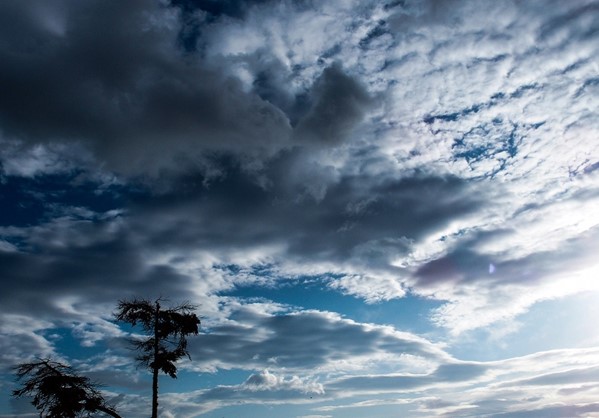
(166, 340)
(59, 392)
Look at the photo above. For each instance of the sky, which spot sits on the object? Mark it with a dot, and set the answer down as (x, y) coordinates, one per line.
(379, 208)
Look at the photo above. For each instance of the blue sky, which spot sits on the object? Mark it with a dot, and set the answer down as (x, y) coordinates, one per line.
(380, 208)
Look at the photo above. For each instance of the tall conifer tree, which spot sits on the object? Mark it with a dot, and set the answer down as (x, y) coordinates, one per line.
(166, 340)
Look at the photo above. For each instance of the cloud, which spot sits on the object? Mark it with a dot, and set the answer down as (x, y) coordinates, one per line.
(436, 163)
(20, 338)
(381, 149)
(150, 108)
(339, 104)
(260, 388)
(555, 411)
(464, 389)
(446, 373)
(33, 161)
(146, 107)
(251, 339)
(486, 388)
(562, 378)
(266, 381)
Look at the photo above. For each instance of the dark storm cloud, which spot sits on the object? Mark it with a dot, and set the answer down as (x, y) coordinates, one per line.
(339, 103)
(354, 211)
(127, 93)
(145, 107)
(83, 260)
(326, 112)
(272, 84)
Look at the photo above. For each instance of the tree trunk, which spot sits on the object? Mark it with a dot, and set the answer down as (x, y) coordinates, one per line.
(155, 368)
(155, 393)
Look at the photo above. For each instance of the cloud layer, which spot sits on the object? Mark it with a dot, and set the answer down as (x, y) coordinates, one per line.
(383, 151)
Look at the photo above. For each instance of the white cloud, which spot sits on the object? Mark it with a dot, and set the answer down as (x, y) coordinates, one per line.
(268, 381)
(21, 339)
(512, 386)
(253, 338)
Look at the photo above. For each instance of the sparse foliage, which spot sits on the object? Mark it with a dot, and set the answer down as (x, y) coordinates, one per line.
(166, 340)
(59, 392)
